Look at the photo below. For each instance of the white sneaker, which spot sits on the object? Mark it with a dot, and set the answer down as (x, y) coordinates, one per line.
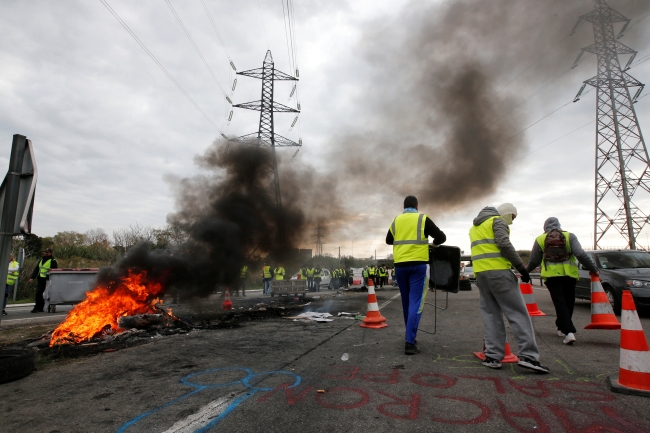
(560, 333)
(570, 338)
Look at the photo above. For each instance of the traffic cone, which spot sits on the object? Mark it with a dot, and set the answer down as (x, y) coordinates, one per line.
(373, 318)
(529, 299)
(602, 315)
(509, 356)
(634, 368)
(227, 304)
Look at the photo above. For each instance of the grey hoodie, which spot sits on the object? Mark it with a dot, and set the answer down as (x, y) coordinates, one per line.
(537, 253)
(501, 235)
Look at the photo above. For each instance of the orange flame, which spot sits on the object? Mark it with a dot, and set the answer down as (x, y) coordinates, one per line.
(133, 295)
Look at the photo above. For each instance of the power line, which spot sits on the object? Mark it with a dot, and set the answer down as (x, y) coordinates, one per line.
(216, 31)
(196, 48)
(146, 50)
(263, 26)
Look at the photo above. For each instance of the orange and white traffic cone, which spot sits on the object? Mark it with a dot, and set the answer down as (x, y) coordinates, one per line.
(373, 318)
(634, 368)
(227, 304)
(529, 299)
(602, 314)
(508, 357)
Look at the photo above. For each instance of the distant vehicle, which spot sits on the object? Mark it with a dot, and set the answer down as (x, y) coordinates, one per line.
(325, 278)
(464, 283)
(469, 272)
(619, 269)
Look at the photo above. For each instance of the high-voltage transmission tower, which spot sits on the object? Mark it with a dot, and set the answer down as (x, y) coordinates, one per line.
(622, 168)
(266, 136)
(319, 240)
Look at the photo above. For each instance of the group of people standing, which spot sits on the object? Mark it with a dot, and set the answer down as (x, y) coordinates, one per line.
(493, 258)
(378, 274)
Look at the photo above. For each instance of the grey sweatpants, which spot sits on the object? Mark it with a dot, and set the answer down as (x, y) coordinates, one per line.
(500, 295)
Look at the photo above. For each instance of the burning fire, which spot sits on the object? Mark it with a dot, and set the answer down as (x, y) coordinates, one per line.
(103, 308)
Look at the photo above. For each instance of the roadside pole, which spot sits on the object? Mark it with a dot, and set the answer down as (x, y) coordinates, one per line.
(17, 199)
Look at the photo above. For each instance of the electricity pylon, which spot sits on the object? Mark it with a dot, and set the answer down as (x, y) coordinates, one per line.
(621, 154)
(319, 240)
(266, 136)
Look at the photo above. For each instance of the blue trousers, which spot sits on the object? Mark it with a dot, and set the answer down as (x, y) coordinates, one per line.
(413, 282)
(7, 293)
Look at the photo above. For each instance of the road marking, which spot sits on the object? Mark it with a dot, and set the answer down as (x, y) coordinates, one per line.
(389, 301)
(203, 417)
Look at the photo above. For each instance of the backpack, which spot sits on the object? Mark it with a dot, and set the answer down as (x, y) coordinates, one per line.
(555, 247)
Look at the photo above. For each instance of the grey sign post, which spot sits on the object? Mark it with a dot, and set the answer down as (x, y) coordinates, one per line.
(17, 199)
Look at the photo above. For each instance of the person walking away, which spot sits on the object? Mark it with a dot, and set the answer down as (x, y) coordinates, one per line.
(559, 252)
(279, 273)
(318, 274)
(266, 279)
(46, 263)
(493, 255)
(310, 278)
(242, 280)
(408, 234)
(364, 275)
(12, 276)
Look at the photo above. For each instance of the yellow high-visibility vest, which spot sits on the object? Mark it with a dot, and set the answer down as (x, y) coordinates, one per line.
(266, 272)
(12, 276)
(486, 255)
(409, 242)
(279, 273)
(567, 268)
(44, 267)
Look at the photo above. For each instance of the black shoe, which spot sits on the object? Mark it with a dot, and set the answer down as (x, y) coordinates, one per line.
(243, 294)
(411, 349)
(491, 363)
(4, 313)
(532, 365)
(35, 311)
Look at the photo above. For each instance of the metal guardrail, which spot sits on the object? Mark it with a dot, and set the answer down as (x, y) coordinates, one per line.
(288, 287)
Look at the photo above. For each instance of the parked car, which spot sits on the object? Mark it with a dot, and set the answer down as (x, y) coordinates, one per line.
(325, 278)
(619, 269)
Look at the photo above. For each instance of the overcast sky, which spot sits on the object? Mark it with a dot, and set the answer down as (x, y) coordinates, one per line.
(110, 130)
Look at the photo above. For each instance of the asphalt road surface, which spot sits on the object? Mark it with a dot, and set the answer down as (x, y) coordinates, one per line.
(280, 375)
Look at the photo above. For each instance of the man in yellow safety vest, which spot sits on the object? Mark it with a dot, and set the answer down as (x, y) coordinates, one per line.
(242, 281)
(558, 252)
(493, 255)
(279, 273)
(409, 235)
(40, 273)
(266, 279)
(12, 276)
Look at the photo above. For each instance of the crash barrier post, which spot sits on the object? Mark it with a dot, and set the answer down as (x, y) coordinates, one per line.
(508, 357)
(529, 299)
(634, 367)
(602, 314)
(227, 304)
(373, 318)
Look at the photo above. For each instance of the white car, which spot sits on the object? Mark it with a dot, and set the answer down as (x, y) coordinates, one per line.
(324, 279)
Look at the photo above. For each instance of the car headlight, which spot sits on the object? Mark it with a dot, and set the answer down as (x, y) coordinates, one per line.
(637, 283)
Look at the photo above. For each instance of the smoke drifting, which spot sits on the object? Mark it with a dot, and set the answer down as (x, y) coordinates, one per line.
(440, 100)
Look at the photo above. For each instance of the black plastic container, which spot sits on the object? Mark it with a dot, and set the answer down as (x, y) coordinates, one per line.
(444, 262)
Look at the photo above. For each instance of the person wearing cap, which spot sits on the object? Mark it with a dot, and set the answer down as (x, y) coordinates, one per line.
(493, 256)
(561, 277)
(409, 235)
(46, 263)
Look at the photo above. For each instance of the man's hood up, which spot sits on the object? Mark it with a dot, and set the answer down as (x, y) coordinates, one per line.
(552, 223)
(484, 214)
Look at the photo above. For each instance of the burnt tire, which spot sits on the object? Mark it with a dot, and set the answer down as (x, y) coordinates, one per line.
(15, 364)
(614, 299)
